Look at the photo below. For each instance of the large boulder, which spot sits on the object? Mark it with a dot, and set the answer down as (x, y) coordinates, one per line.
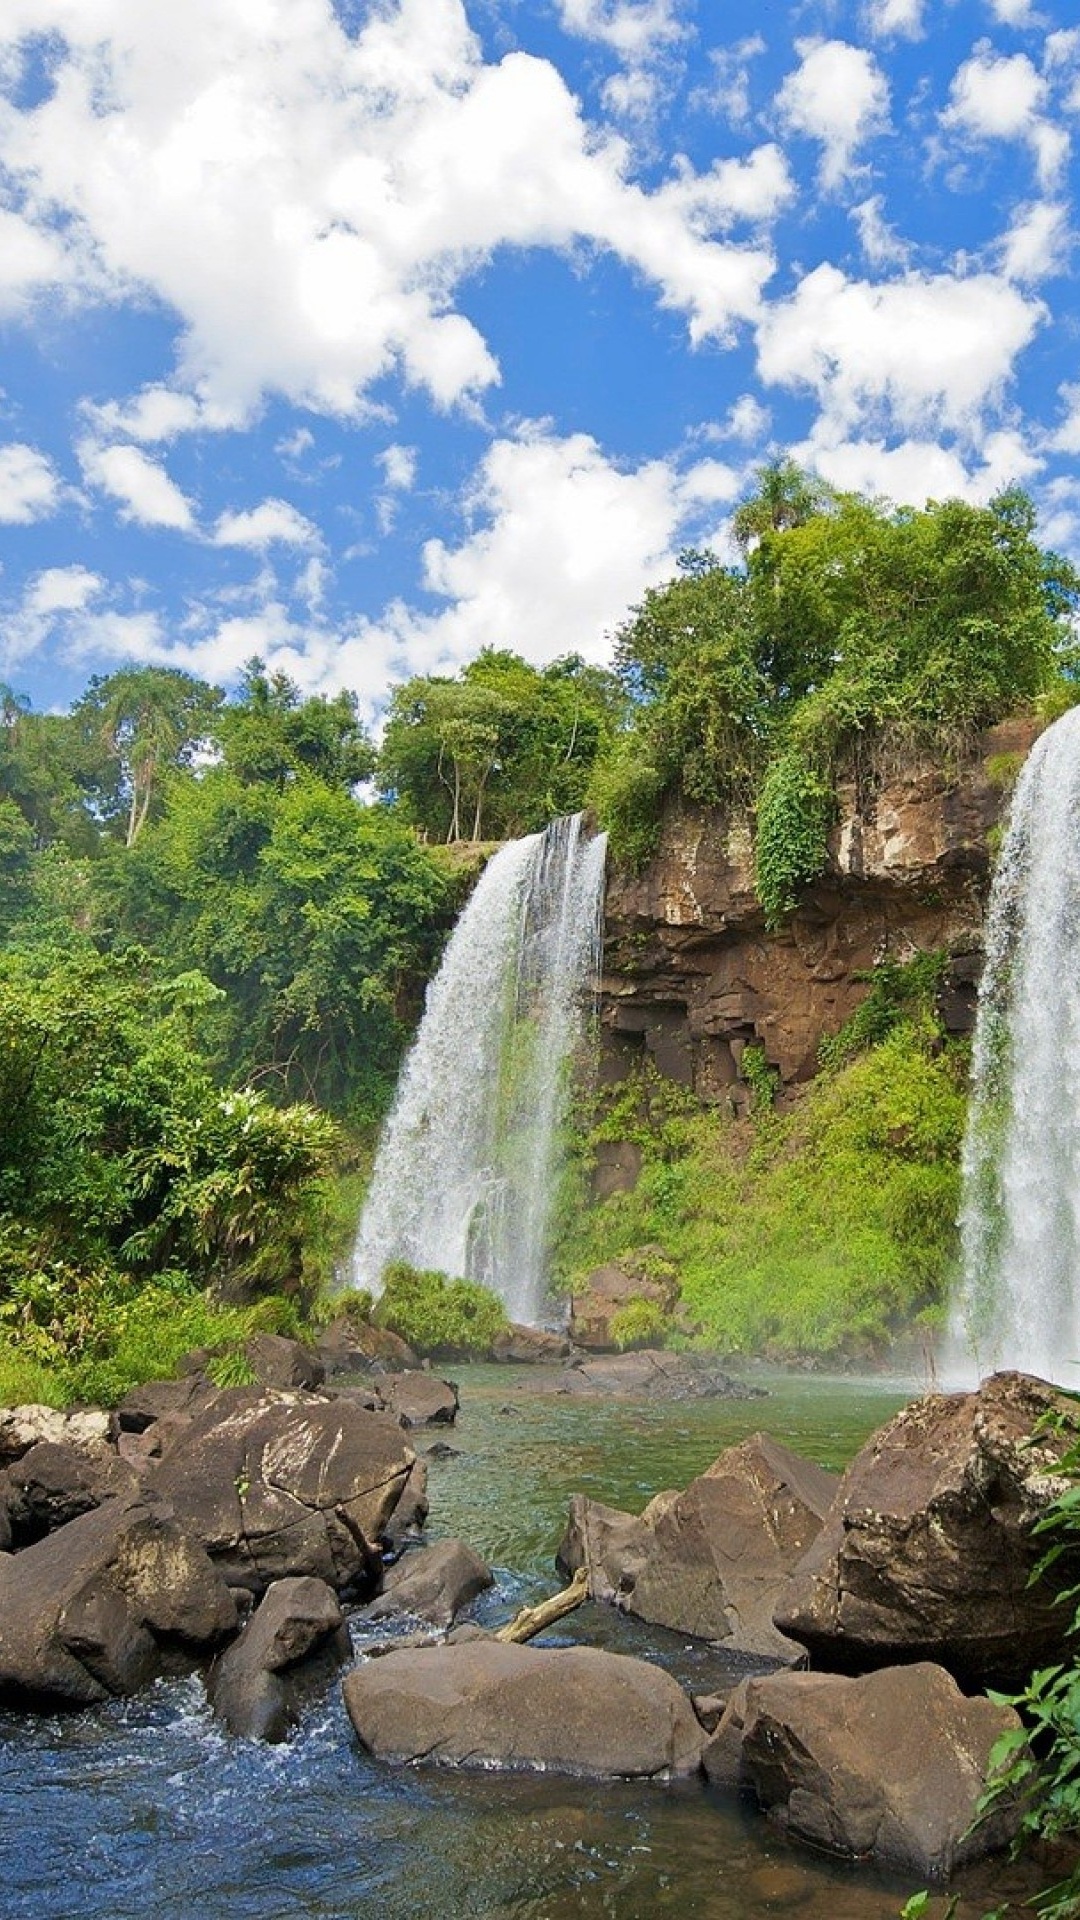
(608, 1291)
(656, 1374)
(889, 1767)
(94, 1609)
(22, 1427)
(928, 1552)
(529, 1346)
(711, 1560)
(53, 1483)
(569, 1709)
(277, 1484)
(355, 1346)
(420, 1399)
(432, 1583)
(293, 1642)
(278, 1362)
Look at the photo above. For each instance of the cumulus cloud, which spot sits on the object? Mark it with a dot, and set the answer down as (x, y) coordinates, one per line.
(633, 28)
(914, 471)
(29, 485)
(141, 485)
(881, 245)
(310, 202)
(730, 94)
(1066, 437)
(272, 522)
(1002, 97)
(895, 19)
(50, 600)
(1012, 13)
(839, 96)
(923, 349)
(1037, 243)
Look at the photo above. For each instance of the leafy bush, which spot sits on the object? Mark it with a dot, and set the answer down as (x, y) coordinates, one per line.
(901, 992)
(641, 1323)
(795, 811)
(437, 1315)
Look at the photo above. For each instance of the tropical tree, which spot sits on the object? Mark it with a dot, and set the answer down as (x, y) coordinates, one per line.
(149, 720)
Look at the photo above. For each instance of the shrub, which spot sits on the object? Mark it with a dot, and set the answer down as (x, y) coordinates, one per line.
(795, 812)
(447, 1318)
(641, 1323)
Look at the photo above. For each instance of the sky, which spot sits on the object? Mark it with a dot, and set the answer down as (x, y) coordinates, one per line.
(362, 335)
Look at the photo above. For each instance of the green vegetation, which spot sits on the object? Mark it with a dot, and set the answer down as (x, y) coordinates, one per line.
(446, 1318)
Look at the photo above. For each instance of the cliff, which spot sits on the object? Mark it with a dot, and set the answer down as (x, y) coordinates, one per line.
(692, 976)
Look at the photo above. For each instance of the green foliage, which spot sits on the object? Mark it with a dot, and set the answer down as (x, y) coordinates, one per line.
(795, 811)
(901, 992)
(626, 791)
(1039, 1764)
(641, 1323)
(761, 1079)
(453, 1319)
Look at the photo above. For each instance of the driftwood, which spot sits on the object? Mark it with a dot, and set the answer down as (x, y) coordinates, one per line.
(532, 1620)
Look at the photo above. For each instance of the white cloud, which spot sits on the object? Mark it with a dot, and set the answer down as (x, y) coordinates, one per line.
(50, 600)
(398, 466)
(746, 420)
(922, 349)
(309, 201)
(271, 522)
(881, 245)
(30, 259)
(29, 485)
(911, 472)
(895, 19)
(633, 28)
(730, 95)
(1066, 438)
(1012, 13)
(1037, 243)
(143, 488)
(1002, 97)
(839, 96)
(156, 413)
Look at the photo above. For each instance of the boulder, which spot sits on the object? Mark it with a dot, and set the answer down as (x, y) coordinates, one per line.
(158, 1400)
(659, 1375)
(94, 1609)
(355, 1346)
(22, 1427)
(568, 1709)
(432, 1583)
(54, 1483)
(889, 1767)
(609, 1290)
(420, 1399)
(529, 1346)
(293, 1642)
(277, 1484)
(928, 1551)
(708, 1561)
(277, 1362)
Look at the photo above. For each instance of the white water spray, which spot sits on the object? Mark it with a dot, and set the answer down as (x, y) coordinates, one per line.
(1018, 1304)
(466, 1166)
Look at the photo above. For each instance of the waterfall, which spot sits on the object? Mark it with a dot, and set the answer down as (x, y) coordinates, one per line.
(467, 1163)
(1018, 1303)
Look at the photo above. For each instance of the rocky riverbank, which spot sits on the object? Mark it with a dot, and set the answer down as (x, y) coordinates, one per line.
(239, 1531)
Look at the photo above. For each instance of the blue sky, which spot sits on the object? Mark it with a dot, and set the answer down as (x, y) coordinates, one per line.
(360, 336)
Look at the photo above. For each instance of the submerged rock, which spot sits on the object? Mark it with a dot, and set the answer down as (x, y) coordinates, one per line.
(711, 1560)
(94, 1609)
(483, 1703)
(928, 1553)
(293, 1642)
(890, 1767)
(659, 1375)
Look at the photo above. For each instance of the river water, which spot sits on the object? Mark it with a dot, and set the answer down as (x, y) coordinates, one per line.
(145, 1807)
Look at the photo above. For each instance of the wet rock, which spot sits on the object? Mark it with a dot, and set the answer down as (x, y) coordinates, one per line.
(53, 1483)
(420, 1399)
(709, 1561)
(277, 1362)
(480, 1702)
(722, 1758)
(889, 1767)
(94, 1609)
(294, 1641)
(22, 1427)
(529, 1346)
(928, 1551)
(659, 1376)
(354, 1346)
(433, 1583)
(278, 1484)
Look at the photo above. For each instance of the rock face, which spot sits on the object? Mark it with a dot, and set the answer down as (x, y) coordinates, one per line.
(607, 1293)
(928, 1551)
(93, 1609)
(54, 1482)
(711, 1560)
(275, 1485)
(573, 1710)
(692, 977)
(277, 1362)
(888, 1768)
(433, 1583)
(295, 1639)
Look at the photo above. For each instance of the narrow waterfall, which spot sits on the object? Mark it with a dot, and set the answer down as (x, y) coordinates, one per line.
(467, 1163)
(1018, 1304)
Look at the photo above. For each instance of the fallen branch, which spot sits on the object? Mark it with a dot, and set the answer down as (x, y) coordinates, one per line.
(532, 1620)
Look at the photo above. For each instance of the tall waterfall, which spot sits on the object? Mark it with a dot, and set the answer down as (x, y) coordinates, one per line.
(467, 1163)
(1018, 1304)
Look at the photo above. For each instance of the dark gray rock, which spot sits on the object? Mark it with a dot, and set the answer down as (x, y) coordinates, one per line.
(657, 1375)
(156, 1400)
(294, 1641)
(277, 1362)
(928, 1552)
(570, 1709)
(530, 1346)
(94, 1609)
(432, 1583)
(355, 1346)
(709, 1561)
(889, 1767)
(54, 1483)
(277, 1484)
(420, 1399)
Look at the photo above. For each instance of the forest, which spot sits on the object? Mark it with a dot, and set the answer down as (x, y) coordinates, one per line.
(218, 911)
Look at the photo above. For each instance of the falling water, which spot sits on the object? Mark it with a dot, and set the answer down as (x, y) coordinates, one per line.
(1019, 1300)
(467, 1163)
